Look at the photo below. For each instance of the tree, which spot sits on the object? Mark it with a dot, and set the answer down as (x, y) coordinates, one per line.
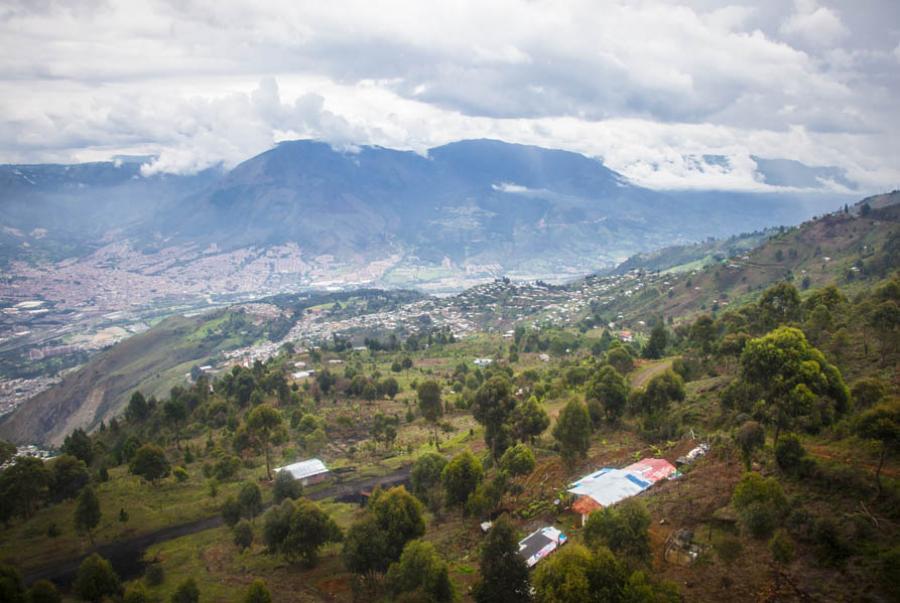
(760, 503)
(257, 592)
(175, 412)
(389, 387)
(885, 323)
(43, 591)
(573, 431)
(136, 593)
(576, 575)
(779, 304)
(623, 529)
(366, 548)
(399, 515)
(150, 463)
(656, 346)
(867, 392)
(529, 420)
(750, 437)
(262, 423)
(69, 476)
(137, 409)
(96, 580)
(231, 511)
(518, 460)
(881, 424)
(790, 373)
(311, 528)
(23, 486)
(12, 588)
(7, 451)
(286, 487)
(461, 476)
(242, 534)
(609, 388)
(187, 592)
(277, 525)
(421, 570)
(661, 391)
(430, 405)
(492, 408)
(426, 474)
(79, 444)
(87, 512)
(250, 500)
(619, 358)
(504, 575)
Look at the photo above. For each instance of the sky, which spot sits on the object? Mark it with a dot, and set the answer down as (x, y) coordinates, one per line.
(653, 88)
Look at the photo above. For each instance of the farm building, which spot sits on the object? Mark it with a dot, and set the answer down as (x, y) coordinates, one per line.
(540, 544)
(308, 472)
(608, 485)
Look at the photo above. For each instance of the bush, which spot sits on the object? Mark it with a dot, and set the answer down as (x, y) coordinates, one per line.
(243, 534)
(187, 592)
(286, 487)
(791, 456)
(231, 511)
(760, 503)
(136, 593)
(43, 591)
(96, 579)
(154, 575)
(831, 547)
(782, 547)
(181, 474)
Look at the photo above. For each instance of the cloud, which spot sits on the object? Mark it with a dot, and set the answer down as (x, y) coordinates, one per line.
(648, 86)
(814, 24)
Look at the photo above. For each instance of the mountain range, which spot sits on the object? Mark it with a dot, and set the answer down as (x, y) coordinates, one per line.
(472, 208)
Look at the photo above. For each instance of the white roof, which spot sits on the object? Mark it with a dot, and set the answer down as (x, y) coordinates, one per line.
(304, 469)
(609, 486)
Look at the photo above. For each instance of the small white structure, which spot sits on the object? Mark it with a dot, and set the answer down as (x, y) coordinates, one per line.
(539, 544)
(303, 374)
(307, 472)
(544, 357)
(483, 362)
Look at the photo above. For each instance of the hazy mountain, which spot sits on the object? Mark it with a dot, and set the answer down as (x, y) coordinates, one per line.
(537, 211)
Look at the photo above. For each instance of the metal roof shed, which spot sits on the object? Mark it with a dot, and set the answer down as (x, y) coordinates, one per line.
(307, 472)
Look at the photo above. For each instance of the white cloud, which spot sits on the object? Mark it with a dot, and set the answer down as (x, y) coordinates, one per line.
(814, 24)
(646, 85)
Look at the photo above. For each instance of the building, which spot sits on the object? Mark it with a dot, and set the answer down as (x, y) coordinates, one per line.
(483, 362)
(311, 471)
(608, 486)
(539, 544)
(626, 336)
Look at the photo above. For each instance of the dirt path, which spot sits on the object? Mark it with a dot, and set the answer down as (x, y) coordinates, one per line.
(648, 371)
(127, 556)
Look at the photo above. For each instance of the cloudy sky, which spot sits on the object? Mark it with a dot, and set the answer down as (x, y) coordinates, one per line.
(648, 86)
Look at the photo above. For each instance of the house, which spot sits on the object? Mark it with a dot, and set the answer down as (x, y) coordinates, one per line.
(308, 472)
(626, 336)
(608, 486)
(539, 544)
(303, 374)
(483, 362)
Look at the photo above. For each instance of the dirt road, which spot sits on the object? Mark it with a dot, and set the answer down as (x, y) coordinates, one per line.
(127, 556)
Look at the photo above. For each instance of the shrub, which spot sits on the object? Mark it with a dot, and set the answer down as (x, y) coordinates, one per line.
(43, 591)
(96, 579)
(181, 474)
(286, 487)
(243, 534)
(154, 575)
(760, 503)
(782, 547)
(791, 456)
(187, 592)
(831, 547)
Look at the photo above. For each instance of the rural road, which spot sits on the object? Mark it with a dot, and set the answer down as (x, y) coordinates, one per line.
(127, 556)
